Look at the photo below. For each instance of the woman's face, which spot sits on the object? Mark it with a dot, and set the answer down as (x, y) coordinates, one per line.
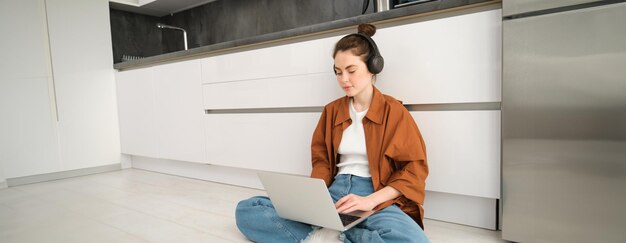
(352, 73)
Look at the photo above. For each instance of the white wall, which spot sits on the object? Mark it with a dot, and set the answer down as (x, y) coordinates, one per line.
(57, 89)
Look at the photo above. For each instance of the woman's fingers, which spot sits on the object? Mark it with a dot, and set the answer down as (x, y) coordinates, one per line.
(351, 203)
(345, 203)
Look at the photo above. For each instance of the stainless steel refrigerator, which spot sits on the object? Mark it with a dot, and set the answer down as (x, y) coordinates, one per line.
(564, 121)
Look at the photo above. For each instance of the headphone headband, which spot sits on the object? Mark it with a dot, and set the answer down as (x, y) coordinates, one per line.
(375, 61)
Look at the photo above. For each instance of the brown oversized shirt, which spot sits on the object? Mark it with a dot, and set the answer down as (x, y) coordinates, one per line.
(395, 149)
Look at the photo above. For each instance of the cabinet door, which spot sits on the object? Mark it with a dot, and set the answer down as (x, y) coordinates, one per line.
(306, 57)
(80, 44)
(305, 90)
(262, 141)
(137, 115)
(28, 140)
(28, 128)
(24, 43)
(444, 61)
(179, 112)
(463, 151)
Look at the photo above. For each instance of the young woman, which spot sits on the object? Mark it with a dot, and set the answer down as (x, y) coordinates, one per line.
(368, 150)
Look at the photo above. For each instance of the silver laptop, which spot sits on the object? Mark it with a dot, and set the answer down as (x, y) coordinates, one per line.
(307, 200)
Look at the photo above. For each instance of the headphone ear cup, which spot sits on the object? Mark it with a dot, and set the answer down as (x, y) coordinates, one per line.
(375, 64)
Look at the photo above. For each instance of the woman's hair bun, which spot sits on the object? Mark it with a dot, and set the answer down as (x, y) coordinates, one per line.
(367, 29)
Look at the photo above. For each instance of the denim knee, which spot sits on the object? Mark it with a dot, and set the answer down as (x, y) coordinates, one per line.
(257, 219)
(246, 212)
(393, 225)
(245, 209)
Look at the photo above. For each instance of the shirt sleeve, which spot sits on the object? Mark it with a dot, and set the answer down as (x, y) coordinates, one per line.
(319, 150)
(407, 154)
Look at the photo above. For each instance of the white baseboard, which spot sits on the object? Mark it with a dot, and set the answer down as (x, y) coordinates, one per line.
(220, 174)
(461, 209)
(61, 175)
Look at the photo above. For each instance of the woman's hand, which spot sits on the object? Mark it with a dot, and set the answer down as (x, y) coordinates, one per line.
(352, 202)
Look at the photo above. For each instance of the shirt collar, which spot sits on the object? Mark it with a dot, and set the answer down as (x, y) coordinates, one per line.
(377, 107)
(374, 113)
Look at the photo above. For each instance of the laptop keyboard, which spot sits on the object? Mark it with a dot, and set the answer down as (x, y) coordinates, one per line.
(348, 219)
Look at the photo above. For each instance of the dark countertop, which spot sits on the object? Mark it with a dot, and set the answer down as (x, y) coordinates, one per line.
(417, 9)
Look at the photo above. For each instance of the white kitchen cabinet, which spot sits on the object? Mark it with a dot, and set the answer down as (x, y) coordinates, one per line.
(463, 149)
(58, 90)
(88, 124)
(443, 61)
(263, 141)
(24, 42)
(137, 113)
(178, 111)
(28, 140)
(261, 104)
(80, 36)
(160, 112)
(306, 90)
(80, 44)
(305, 57)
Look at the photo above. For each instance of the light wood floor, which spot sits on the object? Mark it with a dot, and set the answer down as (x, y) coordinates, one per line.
(140, 206)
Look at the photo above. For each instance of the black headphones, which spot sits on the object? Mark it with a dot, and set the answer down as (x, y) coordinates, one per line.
(375, 61)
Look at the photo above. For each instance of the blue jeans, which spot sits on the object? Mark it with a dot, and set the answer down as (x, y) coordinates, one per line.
(258, 221)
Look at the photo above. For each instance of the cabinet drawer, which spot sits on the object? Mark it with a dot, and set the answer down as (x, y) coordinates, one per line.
(450, 60)
(263, 141)
(463, 149)
(312, 90)
(307, 57)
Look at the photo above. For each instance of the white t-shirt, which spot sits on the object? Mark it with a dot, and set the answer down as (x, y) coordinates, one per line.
(352, 150)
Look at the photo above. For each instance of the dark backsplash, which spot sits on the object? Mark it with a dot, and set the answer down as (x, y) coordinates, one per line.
(221, 21)
(135, 35)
